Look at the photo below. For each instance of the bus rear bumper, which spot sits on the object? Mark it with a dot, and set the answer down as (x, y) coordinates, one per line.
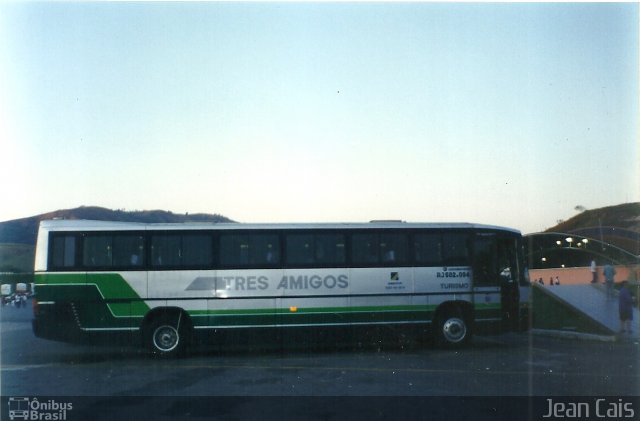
(59, 323)
(56, 322)
(56, 330)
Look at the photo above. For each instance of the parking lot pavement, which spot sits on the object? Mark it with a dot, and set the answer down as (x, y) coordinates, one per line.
(377, 380)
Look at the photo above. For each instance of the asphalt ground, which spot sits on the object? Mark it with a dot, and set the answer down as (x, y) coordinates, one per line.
(496, 377)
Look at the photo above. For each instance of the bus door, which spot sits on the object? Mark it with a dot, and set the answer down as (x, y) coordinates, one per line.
(495, 278)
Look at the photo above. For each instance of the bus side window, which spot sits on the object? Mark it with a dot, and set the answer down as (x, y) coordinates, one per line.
(394, 248)
(484, 264)
(264, 250)
(97, 250)
(233, 250)
(455, 249)
(321, 249)
(365, 248)
(428, 249)
(197, 250)
(300, 249)
(128, 250)
(165, 250)
(252, 250)
(63, 251)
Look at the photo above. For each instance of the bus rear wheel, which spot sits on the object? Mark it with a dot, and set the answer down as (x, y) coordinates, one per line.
(166, 336)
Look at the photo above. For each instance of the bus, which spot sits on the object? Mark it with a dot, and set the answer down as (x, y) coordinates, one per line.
(165, 284)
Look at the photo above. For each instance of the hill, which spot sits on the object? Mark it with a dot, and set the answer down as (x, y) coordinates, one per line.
(625, 216)
(24, 231)
(618, 225)
(18, 237)
(16, 257)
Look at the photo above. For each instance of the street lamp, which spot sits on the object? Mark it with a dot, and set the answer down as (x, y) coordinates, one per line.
(569, 240)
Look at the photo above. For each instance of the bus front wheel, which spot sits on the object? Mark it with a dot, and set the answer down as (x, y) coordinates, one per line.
(452, 330)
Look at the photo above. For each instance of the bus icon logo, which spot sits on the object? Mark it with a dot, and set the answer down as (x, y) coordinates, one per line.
(33, 409)
(19, 408)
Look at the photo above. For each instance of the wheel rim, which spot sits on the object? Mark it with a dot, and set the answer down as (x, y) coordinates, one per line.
(165, 338)
(454, 330)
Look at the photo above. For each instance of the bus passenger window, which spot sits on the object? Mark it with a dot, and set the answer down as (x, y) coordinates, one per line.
(322, 249)
(330, 249)
(97, 251)
(63, 251)
(455, 250)
(389, 256)
(263, 250)
(165, 250)
(428, 249)
(128, 250)
(196, 250)
(253, 250)
(365, 249)
(300, 249)
(380, 249)
(484, 262)
(394, 248)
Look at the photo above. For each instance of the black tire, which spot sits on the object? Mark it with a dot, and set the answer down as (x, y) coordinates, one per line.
(166, 335)
(452, 329)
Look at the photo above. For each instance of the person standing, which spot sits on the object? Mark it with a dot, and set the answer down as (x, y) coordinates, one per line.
(594, 271)
(625, 308)
(609, 275)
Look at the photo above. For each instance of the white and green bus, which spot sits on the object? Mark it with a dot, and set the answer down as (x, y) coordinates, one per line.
(167, 283)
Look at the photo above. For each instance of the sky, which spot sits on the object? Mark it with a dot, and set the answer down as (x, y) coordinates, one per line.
(508, 114)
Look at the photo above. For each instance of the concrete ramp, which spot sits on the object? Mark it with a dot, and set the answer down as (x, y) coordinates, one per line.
(591, 301)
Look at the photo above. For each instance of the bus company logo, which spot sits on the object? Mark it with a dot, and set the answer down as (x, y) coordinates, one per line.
(33, 409)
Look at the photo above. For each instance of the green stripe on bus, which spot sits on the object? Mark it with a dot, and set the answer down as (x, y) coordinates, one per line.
(368, 309)
(98, 291)
(323, 310)
(111, 286)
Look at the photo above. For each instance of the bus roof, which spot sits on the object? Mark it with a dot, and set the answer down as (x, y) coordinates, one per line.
(90, 225)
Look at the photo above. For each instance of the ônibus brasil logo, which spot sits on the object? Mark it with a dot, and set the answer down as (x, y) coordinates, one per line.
(34, 409)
